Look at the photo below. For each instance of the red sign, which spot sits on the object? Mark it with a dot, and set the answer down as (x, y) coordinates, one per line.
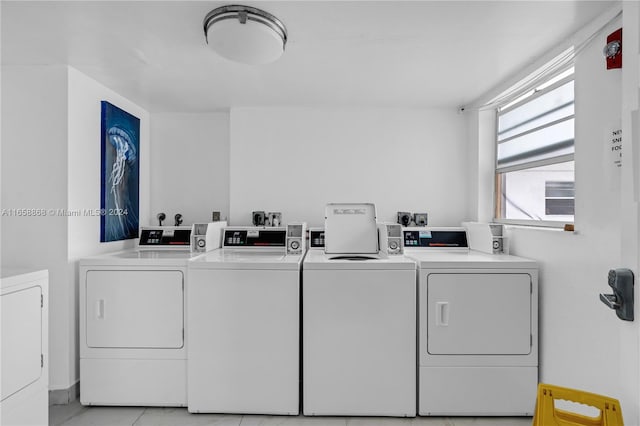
(613, 50)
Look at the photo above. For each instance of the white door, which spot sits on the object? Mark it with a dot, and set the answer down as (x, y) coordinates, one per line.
(135, 309)
(21, 339)
(478, 314)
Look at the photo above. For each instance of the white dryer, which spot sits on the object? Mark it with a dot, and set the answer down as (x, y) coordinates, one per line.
(244, 316)
(24, 377)
(133, 320)
(358, 327)
(478, 327)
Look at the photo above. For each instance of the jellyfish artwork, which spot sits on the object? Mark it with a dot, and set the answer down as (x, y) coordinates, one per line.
(121, 207)
(119, 174)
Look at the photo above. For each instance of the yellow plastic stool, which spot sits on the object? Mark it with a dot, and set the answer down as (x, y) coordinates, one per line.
(547, 415)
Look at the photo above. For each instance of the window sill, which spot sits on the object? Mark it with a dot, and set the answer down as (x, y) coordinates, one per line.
(536, 224)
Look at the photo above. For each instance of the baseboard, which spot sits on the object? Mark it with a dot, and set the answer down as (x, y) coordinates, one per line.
(64, 396)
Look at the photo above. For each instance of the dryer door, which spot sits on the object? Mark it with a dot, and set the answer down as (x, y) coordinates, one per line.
(134, 309)
(478, 314)
(21, 339)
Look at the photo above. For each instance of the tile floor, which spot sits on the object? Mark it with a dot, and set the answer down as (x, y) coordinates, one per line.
(75, 414)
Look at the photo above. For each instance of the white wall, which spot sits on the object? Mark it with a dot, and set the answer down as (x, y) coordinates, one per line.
(579, 334)
(583, 344)
(34, 176)
(51, 160)
(84, 146)
(190, 166)
(295, 160)
(482, 153)
(629, 333)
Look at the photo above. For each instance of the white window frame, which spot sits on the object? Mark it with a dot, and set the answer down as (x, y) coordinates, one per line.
(540, 90)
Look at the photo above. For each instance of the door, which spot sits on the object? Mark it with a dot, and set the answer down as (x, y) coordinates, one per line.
(135, 309)
(478, 314)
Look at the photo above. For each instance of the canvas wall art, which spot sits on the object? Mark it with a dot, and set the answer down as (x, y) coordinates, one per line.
(120, 174)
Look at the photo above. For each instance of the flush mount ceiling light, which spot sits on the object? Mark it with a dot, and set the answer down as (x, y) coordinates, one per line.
(245, 34)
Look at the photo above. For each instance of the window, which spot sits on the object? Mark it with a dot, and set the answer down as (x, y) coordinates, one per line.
(534, 154)
(559, 198)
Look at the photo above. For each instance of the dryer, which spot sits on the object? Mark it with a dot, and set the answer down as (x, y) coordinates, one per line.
(477, 327)
(133, 320)
(24, 305)
(244, 316)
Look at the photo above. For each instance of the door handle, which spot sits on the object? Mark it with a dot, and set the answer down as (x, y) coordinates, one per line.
(442, 314)
(100, 309)
(621, 281)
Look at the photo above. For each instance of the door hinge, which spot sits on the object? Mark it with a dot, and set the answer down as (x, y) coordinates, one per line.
(42, 300)
(41, 360)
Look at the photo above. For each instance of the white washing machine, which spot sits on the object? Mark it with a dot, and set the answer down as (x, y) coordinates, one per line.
(244, 316)
(132, 322)
(358, 334)
(477, 327)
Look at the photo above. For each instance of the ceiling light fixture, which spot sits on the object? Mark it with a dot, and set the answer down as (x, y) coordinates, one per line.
(245, 34)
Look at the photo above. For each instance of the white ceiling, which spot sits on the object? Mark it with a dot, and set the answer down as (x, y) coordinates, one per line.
(340, 53)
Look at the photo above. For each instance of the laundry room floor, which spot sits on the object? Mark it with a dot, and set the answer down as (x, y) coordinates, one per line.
(75, 414)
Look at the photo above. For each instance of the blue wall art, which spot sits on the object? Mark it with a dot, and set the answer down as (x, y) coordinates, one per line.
(120, 174)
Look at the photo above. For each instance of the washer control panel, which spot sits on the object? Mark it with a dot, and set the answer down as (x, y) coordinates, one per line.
(165, 237)
(432, 238)
(254, 237)
(390, 238)
(296, 233)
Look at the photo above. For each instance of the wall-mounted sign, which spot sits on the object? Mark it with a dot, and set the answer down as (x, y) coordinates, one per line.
(615, 147)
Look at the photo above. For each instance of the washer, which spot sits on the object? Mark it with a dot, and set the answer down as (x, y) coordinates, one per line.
(358, 335)
(478, 327)
(132, 321)
(244, 316)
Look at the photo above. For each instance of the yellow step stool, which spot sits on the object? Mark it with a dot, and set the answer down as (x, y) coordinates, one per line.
(547, 414)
